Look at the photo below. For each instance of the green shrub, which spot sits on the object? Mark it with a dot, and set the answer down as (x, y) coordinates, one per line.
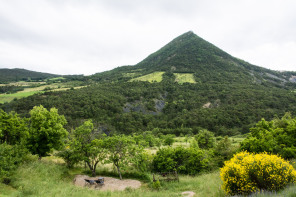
(182, 160)
(223, 151)
(205, 139)
(277, 136)
(10, 158)
(247, 172)
(70, 156)
(156, 185)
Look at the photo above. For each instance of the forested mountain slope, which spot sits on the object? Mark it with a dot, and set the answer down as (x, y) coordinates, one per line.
(199, 86)
(17, 74)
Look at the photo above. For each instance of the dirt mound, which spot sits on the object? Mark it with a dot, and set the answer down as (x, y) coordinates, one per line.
(109, 183)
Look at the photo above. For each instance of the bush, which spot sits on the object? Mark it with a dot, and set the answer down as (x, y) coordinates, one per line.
(247, 172)
(277, 136)
(71, 157)
(183, 160)
(10, 158)
(205, 139)
(156, 185)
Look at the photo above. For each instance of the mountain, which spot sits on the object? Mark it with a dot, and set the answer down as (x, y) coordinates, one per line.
(17, 74)
(189, 53)
(187, 85)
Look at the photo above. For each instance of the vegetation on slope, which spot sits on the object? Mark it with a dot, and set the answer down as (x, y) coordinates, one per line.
(153, 77)
(184, 78)
(9, 75)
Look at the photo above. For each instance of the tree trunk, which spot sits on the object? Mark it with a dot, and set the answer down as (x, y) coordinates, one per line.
(118, 169)
(93, 170)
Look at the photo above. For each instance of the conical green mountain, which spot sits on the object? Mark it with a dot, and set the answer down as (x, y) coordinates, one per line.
(186, 85)
(189, 53)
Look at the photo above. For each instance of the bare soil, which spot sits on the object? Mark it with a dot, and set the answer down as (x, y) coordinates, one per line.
(188, 194)
(110, 183)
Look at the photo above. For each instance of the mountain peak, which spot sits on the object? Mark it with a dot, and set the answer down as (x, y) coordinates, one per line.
(187, 53)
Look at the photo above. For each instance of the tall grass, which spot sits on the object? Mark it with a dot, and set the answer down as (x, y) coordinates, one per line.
(43, 178)
(46, 178)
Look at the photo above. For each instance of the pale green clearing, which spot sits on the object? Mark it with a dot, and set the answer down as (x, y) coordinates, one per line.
(31, 91)
(152, 77)
(9, 97)
(56, 79)
(24, 83)
(184, 78)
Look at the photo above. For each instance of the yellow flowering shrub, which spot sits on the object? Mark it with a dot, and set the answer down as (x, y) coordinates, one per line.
(248, 172)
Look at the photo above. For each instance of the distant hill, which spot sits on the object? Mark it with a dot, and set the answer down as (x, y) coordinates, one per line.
(189, 53)
(17, 74)
(187, 85)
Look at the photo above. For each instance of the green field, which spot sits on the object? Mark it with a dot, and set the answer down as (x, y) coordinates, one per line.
(41, 88)
(152, 77)
(9, 97)
(184, 78)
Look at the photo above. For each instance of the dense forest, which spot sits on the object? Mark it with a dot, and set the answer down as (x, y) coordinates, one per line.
(17, 74)
(227, 96)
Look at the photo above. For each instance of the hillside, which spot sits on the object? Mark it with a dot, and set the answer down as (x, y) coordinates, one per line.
(189, 53)
(187, 85)
(17, 74)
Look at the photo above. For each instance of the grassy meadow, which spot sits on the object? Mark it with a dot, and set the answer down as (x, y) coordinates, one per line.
(184, 78)
(152, 77)
(40, 87)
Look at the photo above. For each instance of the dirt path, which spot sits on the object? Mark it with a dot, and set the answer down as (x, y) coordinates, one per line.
(111, 184)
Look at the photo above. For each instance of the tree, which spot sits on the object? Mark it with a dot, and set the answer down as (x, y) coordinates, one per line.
(89, 145)
(13, 129)
(169, 139)
(182, 160)
(46, 131)
(277, 136)
(205, 139)
(120, 149)
(223, 151)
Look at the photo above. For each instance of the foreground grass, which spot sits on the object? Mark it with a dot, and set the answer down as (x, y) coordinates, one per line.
(43, 178)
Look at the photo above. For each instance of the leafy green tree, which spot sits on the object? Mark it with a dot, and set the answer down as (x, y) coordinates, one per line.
(120, 150)
(223, 151)
(164, 160)
(205, 139)
(13, 129)
(277, 136)
(85, 144)
(182, 160)
(142, 160)
(169, 139)
(46, 131)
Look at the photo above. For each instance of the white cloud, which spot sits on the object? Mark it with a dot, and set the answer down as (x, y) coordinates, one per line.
(73, 37)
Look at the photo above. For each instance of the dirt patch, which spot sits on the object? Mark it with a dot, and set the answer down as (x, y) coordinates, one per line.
(188, 194)
(110, 183)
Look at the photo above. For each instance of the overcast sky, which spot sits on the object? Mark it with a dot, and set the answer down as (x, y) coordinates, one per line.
(90, 36)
